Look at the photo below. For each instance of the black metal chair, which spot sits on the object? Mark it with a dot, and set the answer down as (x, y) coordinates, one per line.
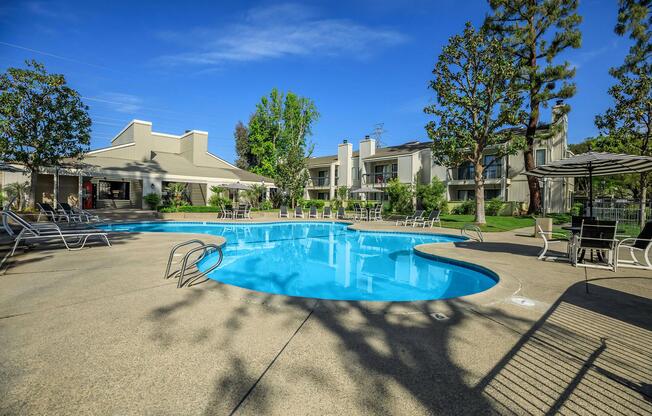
(598, 235)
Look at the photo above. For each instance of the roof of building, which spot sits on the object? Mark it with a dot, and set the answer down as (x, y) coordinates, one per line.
(171, 164)
(402, 149)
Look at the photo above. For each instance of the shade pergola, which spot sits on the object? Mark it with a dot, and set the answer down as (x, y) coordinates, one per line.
(593, 164)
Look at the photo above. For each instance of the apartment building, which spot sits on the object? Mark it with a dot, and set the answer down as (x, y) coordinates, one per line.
(412, 163)
(138, 162)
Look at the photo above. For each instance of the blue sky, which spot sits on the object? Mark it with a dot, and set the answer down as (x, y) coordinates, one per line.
(204, 65)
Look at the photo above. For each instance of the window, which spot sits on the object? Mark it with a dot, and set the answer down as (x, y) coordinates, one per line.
(465, 171)
(322, 195)
(493, 167)
(491, 193)
(464, 194)
(113, 190)
(540, 157)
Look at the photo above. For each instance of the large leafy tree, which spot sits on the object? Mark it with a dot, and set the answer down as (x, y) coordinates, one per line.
(477, 98)
(537, 31)
(242, 148)
(42, 119)
(278, 133)
(627, 126)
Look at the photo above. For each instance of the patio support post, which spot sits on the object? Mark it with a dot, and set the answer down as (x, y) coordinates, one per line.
(55, 197)
(80, 189)
(590, 189)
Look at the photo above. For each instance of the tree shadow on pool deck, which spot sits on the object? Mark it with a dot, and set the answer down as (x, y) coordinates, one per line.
(590, 353)
(587, 354)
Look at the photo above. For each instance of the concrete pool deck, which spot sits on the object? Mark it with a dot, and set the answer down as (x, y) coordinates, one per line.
(100, 332)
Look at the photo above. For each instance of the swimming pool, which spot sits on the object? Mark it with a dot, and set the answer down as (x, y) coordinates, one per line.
(326, 260)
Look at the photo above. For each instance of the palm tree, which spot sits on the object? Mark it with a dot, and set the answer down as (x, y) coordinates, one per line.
(177, 192)
(18, 190)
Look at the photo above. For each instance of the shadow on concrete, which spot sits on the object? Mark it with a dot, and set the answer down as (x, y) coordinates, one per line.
(496, 247)
(590, 353)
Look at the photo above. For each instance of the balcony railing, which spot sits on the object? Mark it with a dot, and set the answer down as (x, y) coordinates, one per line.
(319, 182)
(378, 179)
(469, 175)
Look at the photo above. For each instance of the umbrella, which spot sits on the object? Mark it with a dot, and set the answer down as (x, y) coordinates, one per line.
(593, 164)
(235, 186)
(366, 190)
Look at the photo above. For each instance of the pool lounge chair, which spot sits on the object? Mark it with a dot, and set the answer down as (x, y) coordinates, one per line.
(341, 214)
(642, 245)
(550, 238)
(85, 216)
(298, 212)
(73, 239)
(600, 236)
(409, 219)
(327, 213)
(433, 218)
(283, 212)
(67, 210)
(313, 212)
(48, 212)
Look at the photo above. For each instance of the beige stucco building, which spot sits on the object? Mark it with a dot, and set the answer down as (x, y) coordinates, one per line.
(138, 162)
(412, 163)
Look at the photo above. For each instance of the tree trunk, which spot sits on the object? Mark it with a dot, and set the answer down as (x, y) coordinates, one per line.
(479, 194)
(643, 200)
(32, 189)
(528, 155)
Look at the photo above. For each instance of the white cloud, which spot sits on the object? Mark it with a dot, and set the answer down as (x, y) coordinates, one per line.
(280, 31)
(120, 102)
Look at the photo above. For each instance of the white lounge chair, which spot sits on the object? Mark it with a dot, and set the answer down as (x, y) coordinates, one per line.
(409, 219)
(73, 239)
(283, 212)
(298, 212)
(550, 238)
(313, 212)
(433, 218)
(48, 212)
(327, 212)
(642, 245)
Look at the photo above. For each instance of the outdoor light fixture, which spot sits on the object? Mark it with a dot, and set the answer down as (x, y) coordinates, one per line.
(151, 185)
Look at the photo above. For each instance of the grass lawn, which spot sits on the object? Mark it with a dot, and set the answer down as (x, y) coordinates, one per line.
(493, 223)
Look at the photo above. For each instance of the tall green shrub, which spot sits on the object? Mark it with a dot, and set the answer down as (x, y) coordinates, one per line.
(400, 197)
(433, 195)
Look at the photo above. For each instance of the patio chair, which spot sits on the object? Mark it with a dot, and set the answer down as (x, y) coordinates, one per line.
(46, 232)
(550, 237)
(83, 214)
(313, 212)
(598, 235)
(341, 214)
(226, 213)
(298, 212)
(283, 212)
(418, 214)
(376, 213)
(66, 209)
(246, 212)
(327, 212)
(433, 218)
(46, 210)
(641, 244)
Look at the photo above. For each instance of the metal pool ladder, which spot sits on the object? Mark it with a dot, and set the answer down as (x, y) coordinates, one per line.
(473, 232)
(189, 272)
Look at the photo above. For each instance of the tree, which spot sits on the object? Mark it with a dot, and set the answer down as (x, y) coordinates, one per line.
(626, 127)
(400, 197)
(537, 31)
(476, 99)
(433, 195)
(18, 190)
(277, 138)
(42, 120)
(255, 194)
(242, 148)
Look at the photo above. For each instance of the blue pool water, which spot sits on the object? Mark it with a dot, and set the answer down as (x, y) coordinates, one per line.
(328, 261)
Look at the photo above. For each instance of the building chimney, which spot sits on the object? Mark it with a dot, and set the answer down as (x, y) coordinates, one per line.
(345, 141)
